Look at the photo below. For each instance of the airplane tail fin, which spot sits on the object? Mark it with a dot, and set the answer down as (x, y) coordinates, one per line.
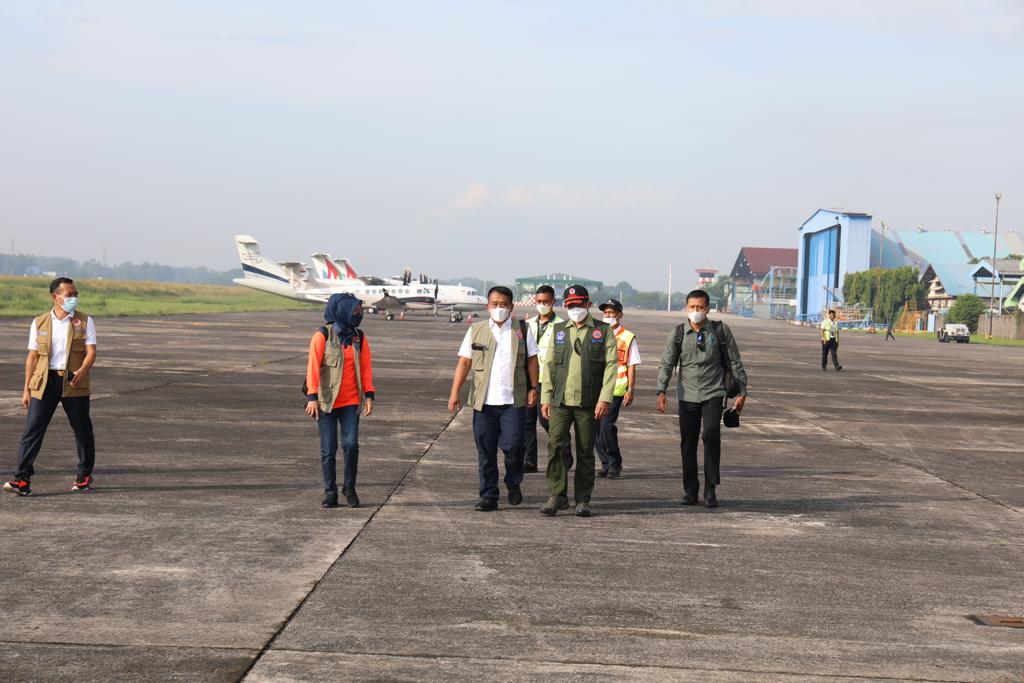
(346, 267)
(325, 268)
(253, 263)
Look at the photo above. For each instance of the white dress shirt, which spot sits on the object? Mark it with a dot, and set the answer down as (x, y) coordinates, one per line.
(59, 341)
(499, 386)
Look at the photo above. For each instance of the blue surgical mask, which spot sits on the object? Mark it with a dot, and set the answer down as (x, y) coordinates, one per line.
(70, 304)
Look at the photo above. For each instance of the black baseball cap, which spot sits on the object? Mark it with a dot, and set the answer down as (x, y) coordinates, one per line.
(575, 294)
(611, 303)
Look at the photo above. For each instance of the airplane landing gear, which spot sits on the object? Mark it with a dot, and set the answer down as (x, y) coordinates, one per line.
(455, 317)
(389, 316)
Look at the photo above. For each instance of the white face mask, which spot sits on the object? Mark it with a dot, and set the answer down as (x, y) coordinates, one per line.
(499, 315)
(696, 317)
(543, 309)
(610, 320)
(577, 315)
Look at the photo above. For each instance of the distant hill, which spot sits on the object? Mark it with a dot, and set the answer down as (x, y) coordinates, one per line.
(28, 264)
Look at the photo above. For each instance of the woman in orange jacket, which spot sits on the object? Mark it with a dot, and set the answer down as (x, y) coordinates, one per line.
(339, 386)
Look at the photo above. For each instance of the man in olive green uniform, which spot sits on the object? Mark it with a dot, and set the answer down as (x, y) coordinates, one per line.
(581, 365)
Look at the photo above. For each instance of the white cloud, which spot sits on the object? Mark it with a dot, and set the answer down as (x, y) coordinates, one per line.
(473, 197)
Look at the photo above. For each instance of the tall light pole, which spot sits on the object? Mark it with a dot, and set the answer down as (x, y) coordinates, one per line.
(878, 278)
(669, 309)
(992, 298)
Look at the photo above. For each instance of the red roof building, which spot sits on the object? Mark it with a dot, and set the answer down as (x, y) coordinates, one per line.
(753, 263)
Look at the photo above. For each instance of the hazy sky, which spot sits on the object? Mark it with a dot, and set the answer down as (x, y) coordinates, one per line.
(499, 139)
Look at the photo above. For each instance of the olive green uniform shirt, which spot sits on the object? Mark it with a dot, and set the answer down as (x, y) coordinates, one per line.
(574, 383)
(700, 370)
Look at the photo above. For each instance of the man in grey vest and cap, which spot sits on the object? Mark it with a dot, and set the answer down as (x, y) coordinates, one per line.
(502, 357)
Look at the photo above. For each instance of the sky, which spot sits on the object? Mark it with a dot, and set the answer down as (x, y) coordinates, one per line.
(500, 139)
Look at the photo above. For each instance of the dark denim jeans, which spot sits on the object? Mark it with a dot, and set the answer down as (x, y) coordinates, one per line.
(607, 442)
(347, 418)
(40, 412)
(497, 427)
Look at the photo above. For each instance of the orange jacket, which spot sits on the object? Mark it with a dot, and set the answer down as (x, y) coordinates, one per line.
(349, 394)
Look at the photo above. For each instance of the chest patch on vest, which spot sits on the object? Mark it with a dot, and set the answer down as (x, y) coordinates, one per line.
(596, 337)
(560, 337)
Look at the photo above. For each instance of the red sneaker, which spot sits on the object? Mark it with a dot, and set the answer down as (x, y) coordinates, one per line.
(82, 484)
(19, 486)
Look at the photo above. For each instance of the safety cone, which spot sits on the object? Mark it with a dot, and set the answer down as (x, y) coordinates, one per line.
(401, 316)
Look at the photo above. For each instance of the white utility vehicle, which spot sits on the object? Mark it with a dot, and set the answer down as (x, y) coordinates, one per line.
(954, 332)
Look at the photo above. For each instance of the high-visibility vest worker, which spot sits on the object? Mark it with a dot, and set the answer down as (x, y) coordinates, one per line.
(607, 443)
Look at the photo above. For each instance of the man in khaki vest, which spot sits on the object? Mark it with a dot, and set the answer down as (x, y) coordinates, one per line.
(61, 351)
(502, 356)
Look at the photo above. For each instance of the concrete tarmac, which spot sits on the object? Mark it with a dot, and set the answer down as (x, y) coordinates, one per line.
(865, 517)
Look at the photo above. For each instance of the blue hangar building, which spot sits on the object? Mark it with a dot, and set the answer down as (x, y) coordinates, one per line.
(834, 242)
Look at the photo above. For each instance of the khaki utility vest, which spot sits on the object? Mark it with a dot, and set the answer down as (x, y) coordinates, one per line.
(332, 366)
(592, 356)
(75, 353)
(484, 347)
(544, 343)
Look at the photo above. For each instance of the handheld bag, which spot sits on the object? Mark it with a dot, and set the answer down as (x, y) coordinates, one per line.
(732, 387)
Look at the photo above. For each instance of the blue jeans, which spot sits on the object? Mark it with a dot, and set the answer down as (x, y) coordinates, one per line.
(497, 427)
(347, 418)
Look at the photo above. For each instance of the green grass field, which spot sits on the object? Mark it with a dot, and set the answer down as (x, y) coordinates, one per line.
(930, 337)
(27, 297)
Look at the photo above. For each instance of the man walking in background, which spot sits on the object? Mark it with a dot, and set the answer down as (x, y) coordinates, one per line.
(830, 341)
(607, 443)
(541, 328)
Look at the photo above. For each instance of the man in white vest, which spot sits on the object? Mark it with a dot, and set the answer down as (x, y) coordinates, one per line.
(61, 352)
(502, 357)
(541, 328)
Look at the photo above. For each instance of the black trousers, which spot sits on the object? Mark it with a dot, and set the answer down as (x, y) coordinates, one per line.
(829, 347)
(40, 412)
(607, 442)
(702, 419)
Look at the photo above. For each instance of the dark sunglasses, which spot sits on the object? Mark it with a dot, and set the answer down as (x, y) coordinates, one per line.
(577, 346)
(700, 341)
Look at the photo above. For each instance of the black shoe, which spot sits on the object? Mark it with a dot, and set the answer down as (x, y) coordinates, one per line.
(614, 474)
(602, 473)
(688, 500)
(515, 494)
(823, 368)
(330, 501)
(583, 509)
(839, 369)
(486, 505)
(529, 468)
(709, 497)
(350, 496)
